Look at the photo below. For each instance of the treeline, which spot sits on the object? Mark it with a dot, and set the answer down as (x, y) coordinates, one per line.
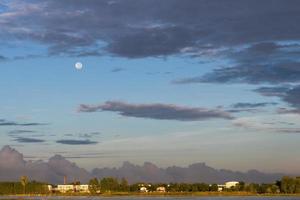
(287, 185)
(32, 187)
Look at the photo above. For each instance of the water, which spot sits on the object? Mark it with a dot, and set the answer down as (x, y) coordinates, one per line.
(150, 198)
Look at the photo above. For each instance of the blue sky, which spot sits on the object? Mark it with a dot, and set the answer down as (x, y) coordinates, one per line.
(173, 82)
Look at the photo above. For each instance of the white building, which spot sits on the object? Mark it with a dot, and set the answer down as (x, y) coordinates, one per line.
(231, 184)
(221, 187)
(82, 188)
(73, 188)
(65, 188)
(143, 189)
(161, 189)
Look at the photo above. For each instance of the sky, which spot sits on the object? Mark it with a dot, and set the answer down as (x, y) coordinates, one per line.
(171, 82)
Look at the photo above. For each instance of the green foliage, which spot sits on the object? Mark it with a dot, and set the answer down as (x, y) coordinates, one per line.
(290, 185)
(109, 184)
(13, 188)
(94, 186)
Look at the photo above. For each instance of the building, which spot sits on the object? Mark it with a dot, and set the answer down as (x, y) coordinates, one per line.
(221, 187)
(143, 189)
(65, 188)
(71, 188)
(231, 184)
(82, 188)
(50, 188)
(161, 189)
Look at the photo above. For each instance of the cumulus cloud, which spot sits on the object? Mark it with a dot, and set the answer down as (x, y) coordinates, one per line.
(76, 142)
(157, 111)
(13, 165)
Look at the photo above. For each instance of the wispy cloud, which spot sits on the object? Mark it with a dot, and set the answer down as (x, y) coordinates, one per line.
(253, 105)
(76, 142)
(28, 140)
(157, 111)
(117, 69)
(4, 122)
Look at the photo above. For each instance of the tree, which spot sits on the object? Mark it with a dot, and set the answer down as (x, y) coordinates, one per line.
(213, 188)
(94, 186)
(124, 185)
(24, 181)
(109, 184)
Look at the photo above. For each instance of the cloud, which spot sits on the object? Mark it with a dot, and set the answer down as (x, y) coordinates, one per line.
(117, 69)
(76, 142)
(89, 135)
(264, 62)
(28, 140)
(266, 125)
(290, 95)
(148, 28)
(16, 132)
(13, 165)
(4, 122)
(273, 73)
(157, 111)
(272, 91)
(253, 105)
(288, 111)
(3, 58)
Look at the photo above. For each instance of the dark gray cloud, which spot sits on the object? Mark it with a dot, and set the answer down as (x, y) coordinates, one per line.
(76, 142)
(253, 105)
(293, 97)
(117, 69)
(145, 28)
(289, 94)
(157, 111)
(17, 132)
(273, 91)
(3, 58)
(28, 140)
(274, 73)
(288, 111)
(4, 122)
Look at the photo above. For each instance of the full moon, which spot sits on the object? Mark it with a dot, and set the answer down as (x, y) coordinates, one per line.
(78, 65)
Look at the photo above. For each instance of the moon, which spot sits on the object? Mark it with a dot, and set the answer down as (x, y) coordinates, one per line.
(78, 65)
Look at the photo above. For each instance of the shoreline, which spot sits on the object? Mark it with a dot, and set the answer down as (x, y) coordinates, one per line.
(133, 194)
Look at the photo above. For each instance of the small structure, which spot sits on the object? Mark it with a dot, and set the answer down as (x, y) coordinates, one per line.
(50, 188)
(143, 189)
(231, 184)
(161, 189)
(221, 187)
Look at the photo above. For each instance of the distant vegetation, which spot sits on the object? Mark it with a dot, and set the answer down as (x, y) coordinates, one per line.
(287, 185)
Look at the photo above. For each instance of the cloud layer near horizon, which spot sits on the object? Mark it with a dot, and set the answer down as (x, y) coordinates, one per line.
(157, 111)
(13, 165)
